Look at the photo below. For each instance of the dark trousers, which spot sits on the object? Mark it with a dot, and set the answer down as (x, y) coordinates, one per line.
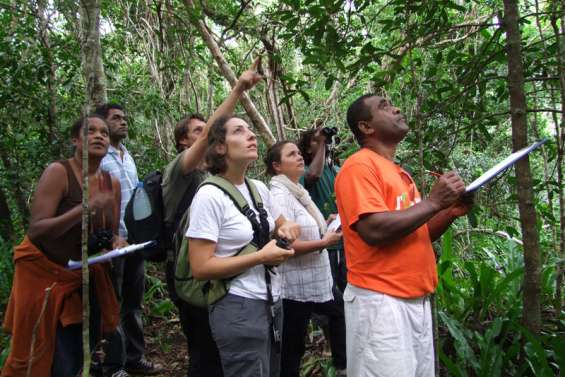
(68, 357)
(126, 344)
(339, 270)
(203, 355)
(295, 323)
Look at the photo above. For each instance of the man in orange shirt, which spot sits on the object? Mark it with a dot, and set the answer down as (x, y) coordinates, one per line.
(388, 229)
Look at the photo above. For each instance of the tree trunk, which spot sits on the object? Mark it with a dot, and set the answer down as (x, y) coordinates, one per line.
(227, 72)
(272, 75)
(19, 196)
(40, 9)
(557, 16)
(288, 104)
(6, 227)
(210, 95)
(84, 252)
(91, 52)
(528, 218)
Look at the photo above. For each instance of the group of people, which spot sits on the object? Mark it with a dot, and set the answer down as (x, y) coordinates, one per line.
(377, 318)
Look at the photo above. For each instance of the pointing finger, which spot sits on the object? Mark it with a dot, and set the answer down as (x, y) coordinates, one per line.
(256, 64)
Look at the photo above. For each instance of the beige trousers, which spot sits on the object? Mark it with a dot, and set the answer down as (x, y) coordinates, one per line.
(387, 336)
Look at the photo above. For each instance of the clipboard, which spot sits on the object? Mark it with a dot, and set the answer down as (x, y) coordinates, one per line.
(502, 166)
(74, 265)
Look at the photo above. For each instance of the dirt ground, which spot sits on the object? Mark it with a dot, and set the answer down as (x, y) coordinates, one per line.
(166, 345)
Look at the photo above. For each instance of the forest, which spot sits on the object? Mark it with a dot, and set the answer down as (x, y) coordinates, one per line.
(475, 79)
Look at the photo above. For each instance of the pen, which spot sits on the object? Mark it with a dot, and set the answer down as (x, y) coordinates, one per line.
(435, 174)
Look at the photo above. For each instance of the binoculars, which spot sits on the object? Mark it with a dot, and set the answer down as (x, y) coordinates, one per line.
(329, 132)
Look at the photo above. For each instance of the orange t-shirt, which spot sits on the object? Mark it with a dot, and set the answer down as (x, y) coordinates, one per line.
(369, 183)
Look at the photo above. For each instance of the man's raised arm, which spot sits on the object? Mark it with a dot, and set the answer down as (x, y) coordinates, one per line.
(192, 157)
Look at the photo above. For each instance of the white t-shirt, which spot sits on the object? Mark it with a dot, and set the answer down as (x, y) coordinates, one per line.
(214, 217)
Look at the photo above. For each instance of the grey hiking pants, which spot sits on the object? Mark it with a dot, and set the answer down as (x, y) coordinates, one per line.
(244, 337)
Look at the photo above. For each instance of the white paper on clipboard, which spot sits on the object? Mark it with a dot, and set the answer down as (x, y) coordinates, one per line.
(501, 166)
(73, 265)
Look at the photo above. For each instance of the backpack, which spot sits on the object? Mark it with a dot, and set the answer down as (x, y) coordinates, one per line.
(202, 293)
(152, 227)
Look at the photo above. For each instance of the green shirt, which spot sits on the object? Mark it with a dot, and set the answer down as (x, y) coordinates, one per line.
(176, 185)
(322, 192)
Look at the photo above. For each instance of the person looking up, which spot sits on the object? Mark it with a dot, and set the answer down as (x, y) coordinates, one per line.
(388, 229)
(307, 278)
(52, 240)
(125, 350)
(181, 179)
(245, 323)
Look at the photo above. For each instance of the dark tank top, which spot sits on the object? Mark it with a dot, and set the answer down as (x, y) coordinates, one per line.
(68, 245)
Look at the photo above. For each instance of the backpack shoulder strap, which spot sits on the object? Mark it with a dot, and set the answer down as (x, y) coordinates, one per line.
(261, 227)
(257, 199)
(231, 191)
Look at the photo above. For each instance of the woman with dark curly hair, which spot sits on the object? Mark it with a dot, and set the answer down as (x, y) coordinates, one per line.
(245, 322)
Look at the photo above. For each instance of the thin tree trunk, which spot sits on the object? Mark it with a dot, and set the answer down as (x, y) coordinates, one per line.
(91, 52)
(560, 139)
(210, 101)
(272, 73)
(19, 195)
(272, 104)
(227, 72)
(6, 227)
(288, 104)
(84, 253)
(528, 218)
(40, 9)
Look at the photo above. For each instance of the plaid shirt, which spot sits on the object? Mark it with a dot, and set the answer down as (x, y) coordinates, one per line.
(307, 277)
(126, 172)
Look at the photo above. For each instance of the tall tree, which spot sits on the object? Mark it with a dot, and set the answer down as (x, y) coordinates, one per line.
(6, 227)
(528, 217)
(227, 72)
(91, 52)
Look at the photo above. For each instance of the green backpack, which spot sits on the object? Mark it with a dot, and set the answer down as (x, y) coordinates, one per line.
(202, 293)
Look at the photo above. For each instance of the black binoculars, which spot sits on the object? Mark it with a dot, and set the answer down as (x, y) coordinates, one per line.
(329, 132)
(99, 240)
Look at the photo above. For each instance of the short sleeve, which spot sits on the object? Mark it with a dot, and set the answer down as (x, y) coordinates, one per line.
(360, 190)
(208, 208)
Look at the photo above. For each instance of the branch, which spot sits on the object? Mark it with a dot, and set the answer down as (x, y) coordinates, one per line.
(234, 21)
(498, 233)
(36, 327)
(227, 72)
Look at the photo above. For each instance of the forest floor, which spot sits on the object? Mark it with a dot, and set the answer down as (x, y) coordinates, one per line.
(166, 345)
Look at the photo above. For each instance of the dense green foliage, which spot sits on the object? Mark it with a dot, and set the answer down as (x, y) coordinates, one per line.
(443, 62)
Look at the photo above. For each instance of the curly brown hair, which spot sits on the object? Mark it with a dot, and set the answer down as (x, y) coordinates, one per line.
(215, 161)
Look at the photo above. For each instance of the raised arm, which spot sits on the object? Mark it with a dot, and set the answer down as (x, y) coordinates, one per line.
(192, 157)
(317, 165)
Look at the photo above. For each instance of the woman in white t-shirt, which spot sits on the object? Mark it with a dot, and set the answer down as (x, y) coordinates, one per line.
(307, 278)
(243, 322)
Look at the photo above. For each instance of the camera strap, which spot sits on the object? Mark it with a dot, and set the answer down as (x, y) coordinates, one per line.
(261, 237)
